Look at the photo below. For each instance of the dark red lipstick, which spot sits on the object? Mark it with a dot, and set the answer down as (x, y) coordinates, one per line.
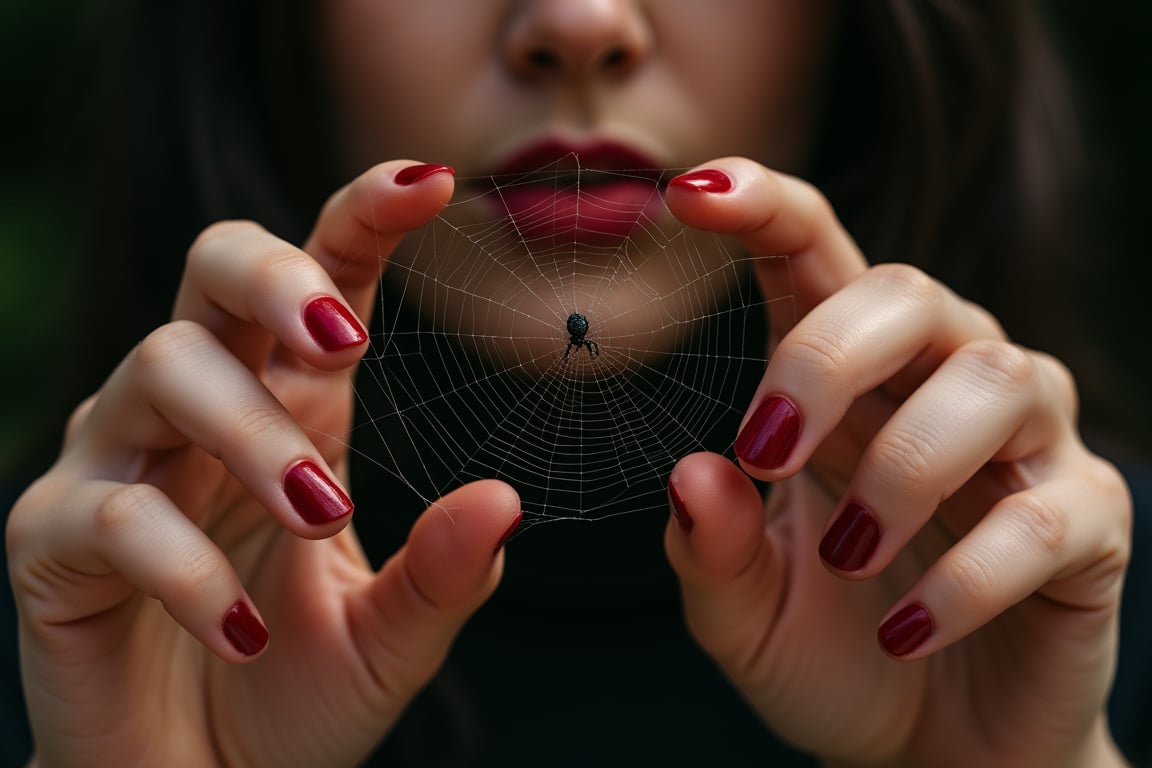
(589, 194)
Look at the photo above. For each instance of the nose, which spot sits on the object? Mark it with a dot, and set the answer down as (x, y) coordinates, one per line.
(576, 38)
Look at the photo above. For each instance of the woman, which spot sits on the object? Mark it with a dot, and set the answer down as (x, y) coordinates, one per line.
(860, 618)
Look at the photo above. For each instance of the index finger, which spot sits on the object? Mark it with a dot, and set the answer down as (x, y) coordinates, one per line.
(360, 224)
(254, 290)
(772, 215)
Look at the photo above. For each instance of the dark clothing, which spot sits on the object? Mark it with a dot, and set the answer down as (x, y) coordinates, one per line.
(569, 666)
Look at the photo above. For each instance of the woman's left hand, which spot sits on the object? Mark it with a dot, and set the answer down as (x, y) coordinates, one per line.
(936, 575)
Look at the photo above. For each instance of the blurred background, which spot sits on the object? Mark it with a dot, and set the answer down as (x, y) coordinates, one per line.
(46, 55)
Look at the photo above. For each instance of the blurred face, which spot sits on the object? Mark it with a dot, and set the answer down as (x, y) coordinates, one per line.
(507, 87)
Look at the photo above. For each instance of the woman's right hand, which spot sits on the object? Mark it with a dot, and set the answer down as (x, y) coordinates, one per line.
(188, 589)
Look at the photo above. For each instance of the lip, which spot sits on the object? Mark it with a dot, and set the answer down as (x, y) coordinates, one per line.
(593, 193)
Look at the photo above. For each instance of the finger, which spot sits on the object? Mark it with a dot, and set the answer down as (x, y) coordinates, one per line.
(989, 401)
(805, 253)
(891, 319)
(180, 386)
(254, 291)
(361, 224)
(1066, 539)
(240, 278)
(136, 534)
(731, 576)
(407, 617)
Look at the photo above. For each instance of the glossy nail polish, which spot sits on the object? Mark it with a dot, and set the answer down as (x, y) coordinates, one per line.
(508, 533)
(243, 630)
(406, 177)
(679, 508)
(850, 542)
(315, 498)
(332, 325)
(770, 435)
(706, 180)
(906, 630)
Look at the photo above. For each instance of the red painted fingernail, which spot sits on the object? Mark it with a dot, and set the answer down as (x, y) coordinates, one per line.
(679, 509)
(706, 180)
(414, 173)
(332, 325)
(770, 435)
(243, 630)
(508, 533)
(906, 630)
(315, 498)
(851, 540)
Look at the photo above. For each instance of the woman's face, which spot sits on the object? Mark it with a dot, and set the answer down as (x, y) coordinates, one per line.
(506, 87)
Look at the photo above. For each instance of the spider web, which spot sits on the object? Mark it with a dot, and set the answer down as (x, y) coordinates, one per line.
(467, 379)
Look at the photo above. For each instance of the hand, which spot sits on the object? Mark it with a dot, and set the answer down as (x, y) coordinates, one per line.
(936, 575)
(207, 474)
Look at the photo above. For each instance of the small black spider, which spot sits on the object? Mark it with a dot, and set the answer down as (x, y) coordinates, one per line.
(577, 330)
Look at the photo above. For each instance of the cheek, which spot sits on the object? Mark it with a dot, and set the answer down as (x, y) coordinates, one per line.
(756, 88)
(399, 74)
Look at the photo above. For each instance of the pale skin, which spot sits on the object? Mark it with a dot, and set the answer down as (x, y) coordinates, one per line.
(168, 508)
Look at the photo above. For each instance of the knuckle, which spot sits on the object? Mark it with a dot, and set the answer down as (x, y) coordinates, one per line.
(78, 418)
(820, 351)
(169, 342)
(1001, 364)
(1042, 522)
(122, 508)
(973, 575)
(907, 280)
(220, 231)
(275, 263)
(260, 420)
(1062, 380)
(906, 456)
(812, 201)
(29, 514)
(1111, 488)
(195, 573)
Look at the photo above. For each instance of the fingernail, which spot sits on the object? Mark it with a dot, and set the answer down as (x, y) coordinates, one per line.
(243, 630)
(508, 533)
(851, 540)
(706, 180)
(906, 630)
(679, 509)
(332, 325)
(770, 435)
(414, 173)
(315, 498)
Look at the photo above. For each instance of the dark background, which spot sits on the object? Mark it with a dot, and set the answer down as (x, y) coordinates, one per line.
(45, 65)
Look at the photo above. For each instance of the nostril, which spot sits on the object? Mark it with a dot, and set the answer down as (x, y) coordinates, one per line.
(615, 58)
(542, 59)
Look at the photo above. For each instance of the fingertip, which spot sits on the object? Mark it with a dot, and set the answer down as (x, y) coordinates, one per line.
(712, 196)
(906, 631)
(768, 438)
(244, 631)
(317, 499)
(413, 174)
(425, 187)
(717, 516)
(452, 547)
(332, 325)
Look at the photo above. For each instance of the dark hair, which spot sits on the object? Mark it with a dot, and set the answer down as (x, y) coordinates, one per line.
(950, 142)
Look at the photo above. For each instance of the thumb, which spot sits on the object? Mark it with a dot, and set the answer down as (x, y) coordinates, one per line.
(410, 613)
(731, 572)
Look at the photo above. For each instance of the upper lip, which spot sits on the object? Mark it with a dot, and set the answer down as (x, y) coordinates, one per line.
(550, 155)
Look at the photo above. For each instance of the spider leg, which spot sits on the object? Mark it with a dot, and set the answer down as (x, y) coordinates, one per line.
(567, 350)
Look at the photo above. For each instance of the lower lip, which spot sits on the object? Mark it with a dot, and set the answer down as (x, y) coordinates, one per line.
(593, 215)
